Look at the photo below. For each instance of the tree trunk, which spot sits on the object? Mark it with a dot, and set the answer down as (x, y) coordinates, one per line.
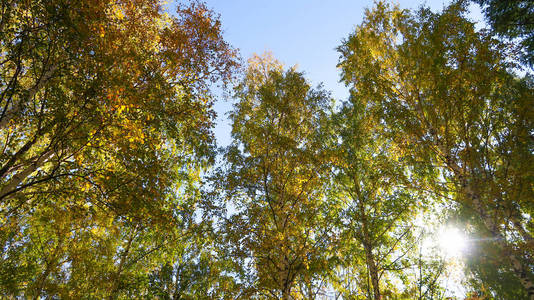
(115, 285)
(371, 263)
(522, 272)
(368, 244)
(15, 108)
(18, 178)
(286, 287)
(368, 247)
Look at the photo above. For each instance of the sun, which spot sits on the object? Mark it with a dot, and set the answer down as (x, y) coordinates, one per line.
(452, 242)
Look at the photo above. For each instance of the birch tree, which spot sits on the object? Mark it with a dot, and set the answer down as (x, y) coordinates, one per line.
(446, 97)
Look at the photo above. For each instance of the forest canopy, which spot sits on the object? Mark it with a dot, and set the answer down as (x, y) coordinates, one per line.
(418, 185)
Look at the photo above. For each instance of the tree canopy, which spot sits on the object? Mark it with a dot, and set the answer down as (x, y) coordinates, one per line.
(112, 185)
(105, 123)
(444, 95)
(512, 20)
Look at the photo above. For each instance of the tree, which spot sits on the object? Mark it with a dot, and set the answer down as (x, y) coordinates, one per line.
(443, 93)
(512, 20)
(378, 209)
(275, 177)
(193, 270)
(105, 122)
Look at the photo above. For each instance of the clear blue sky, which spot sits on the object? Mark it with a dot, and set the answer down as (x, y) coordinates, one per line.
(298, 32)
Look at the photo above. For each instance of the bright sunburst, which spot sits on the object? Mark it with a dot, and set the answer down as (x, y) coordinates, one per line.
(452, 242)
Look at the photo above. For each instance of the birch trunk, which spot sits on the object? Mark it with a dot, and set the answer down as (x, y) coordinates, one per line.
(10, 187)
(15, 108)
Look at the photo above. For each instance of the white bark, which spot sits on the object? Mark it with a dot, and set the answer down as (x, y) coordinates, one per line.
(13, 183)
(14, 109)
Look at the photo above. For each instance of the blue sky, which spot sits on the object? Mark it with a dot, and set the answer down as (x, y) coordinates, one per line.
(298, 32)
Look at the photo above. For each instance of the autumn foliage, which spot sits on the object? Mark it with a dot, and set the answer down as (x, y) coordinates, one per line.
(111, 184)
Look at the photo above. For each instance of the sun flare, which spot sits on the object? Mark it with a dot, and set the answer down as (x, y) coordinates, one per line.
(452, 242)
